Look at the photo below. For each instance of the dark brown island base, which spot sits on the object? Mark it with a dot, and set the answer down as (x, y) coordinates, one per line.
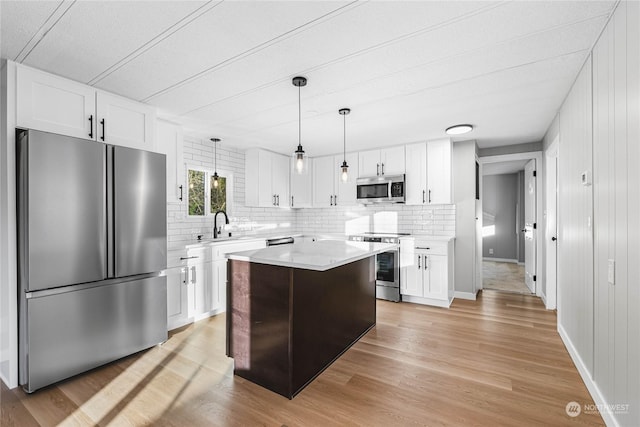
(285, 325)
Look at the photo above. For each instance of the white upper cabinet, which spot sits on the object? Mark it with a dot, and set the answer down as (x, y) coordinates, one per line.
(428, 175)
(301, 186)
(439, 172)
(387, 161)
(54, 104)
(328, 187)
(266, 179)
(125, 122)
(324, 169)
(416, 174)
(170, 142)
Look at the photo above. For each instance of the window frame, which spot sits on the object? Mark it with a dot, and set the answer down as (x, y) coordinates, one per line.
(208, 174)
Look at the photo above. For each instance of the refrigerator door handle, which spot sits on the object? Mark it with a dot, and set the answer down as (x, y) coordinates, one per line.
(109, 185)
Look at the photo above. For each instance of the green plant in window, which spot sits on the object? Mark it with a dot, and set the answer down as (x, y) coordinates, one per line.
(196, 192)
(219, 195)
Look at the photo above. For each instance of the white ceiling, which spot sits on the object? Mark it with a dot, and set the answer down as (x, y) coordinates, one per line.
(502, 168)
(407, 69)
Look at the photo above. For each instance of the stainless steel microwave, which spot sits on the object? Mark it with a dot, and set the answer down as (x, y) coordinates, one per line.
(381, 189)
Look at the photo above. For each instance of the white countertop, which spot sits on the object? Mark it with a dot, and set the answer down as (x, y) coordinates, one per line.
(320, 256)
(429, 237)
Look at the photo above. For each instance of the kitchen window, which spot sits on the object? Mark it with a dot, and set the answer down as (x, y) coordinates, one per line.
(204, 198)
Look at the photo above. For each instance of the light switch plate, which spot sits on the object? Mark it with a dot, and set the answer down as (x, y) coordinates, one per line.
(585, 178)
(611, 272)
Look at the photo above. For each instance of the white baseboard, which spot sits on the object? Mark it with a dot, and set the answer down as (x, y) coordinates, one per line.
(520, 263)
(594, 391)
(543, 297)
(513, 261)
(465, 295)
(426, 301)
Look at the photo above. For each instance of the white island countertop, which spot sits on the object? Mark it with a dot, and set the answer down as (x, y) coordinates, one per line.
(320, 256)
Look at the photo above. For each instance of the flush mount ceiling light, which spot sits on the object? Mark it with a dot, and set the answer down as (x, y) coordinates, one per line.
(215, 160)
(345, 167)
(298, 155)
(458, 129)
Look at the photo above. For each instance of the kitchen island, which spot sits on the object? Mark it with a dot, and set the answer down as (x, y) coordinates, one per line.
(293, 309)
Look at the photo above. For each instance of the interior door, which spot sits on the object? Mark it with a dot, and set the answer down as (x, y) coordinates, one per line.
(530, 225)
(551, 230)
(140, 206)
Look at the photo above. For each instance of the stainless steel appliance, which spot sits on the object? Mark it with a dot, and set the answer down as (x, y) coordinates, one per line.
(91, 244)
(387, 264)
(381, 189)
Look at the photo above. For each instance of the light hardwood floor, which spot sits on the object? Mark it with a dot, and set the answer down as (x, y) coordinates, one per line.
(504, 276)
(497, 361)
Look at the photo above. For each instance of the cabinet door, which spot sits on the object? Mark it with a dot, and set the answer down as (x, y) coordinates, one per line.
(258, 190)
(220, 286)
(53, 104)
(323, 181)
(280, 179)
(392, 161)
(410, 275)
(125, 122)
(177, 297)
(436, 269)
(301, 186)
(170, 143)
(439, 172)
(416, 174)
(346, 191)
(369, 163)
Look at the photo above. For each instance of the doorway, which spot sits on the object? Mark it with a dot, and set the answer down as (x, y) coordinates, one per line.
(549, 295)
(511, 206)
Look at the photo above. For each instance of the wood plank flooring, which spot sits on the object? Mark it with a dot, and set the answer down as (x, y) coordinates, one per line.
(497, 361)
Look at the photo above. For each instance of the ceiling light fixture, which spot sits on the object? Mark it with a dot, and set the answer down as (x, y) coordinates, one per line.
(299, 160)
(215, 161)
(458, 129)
(345, 167)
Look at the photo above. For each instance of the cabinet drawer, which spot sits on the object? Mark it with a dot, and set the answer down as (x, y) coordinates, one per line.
(176, 258)
(431, 248)
(220, 251)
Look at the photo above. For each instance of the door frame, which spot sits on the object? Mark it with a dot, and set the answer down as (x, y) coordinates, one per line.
(551, 154)
(541, 226)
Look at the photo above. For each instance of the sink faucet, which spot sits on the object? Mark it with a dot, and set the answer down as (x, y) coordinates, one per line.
(215, 222)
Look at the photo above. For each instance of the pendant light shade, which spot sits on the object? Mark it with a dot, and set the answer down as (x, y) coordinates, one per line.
(299, 160)
(344, 175)
(215, 160)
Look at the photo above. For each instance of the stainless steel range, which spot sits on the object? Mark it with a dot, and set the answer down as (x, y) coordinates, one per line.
(387, 264)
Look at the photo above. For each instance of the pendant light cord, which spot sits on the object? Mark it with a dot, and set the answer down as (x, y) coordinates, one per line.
(344, 138)
(299, 119)
(215, 156)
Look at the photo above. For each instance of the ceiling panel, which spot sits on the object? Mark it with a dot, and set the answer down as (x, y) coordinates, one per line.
(94, 35)
(20, 21)
(229, 30)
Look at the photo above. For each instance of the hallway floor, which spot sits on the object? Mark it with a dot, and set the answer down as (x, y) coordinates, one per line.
(504, 276)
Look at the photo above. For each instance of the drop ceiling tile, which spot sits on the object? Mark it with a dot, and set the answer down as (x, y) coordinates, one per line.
(94, 35)
(19, 22)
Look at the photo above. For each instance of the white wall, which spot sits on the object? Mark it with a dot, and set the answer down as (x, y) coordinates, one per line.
(464, 190)
(598, 321)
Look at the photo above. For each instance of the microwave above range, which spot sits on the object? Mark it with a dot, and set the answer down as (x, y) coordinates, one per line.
(381, 189)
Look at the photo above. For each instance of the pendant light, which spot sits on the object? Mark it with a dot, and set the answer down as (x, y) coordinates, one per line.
(298, 155)
(345, 167)
(215, 161)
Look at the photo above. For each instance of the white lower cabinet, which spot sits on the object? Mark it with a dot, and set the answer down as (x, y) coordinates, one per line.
(426, 275)
(197, 280)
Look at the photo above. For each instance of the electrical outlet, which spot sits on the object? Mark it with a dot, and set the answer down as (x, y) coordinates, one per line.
(490, 251)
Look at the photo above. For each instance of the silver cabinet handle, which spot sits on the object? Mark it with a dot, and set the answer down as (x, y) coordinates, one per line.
(377, 168)
(273, 202)
(188, 257)
(185, 271)
(426, 264)
(383, 169)
(291, 201)
(424, 195)
(278, 200)
(419, 256)
(429, 196)
(335, 200)
(193, 276)
(331, 200)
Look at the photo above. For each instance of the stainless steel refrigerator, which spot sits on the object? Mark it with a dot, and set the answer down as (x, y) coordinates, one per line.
(92, 243)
